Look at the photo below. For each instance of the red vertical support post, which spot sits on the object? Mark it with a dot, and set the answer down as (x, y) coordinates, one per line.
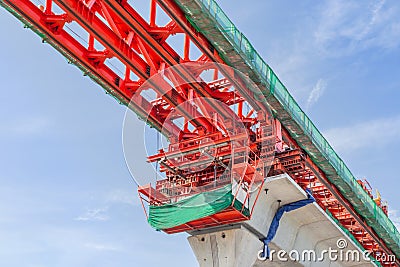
(91, 43)
(240, 110)
(48, 7)
(186, 48)
(215, 74)
(153, 13)
(278, 130)
(127, 74)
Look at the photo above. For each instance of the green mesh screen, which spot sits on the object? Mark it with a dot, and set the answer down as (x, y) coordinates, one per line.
(208, 18)
(193, 208)
(351, 237)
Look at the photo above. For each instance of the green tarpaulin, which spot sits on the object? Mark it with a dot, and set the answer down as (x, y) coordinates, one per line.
(192, 208)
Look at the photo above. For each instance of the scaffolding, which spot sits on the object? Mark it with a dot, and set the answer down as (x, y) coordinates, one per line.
(236, 50)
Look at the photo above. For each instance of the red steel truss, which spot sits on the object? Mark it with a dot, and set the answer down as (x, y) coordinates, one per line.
(208, 144)
(305, 172)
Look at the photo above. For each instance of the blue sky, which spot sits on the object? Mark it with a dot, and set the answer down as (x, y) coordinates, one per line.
(66, 196)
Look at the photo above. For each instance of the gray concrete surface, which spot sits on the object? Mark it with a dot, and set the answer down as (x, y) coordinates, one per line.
(301, 230)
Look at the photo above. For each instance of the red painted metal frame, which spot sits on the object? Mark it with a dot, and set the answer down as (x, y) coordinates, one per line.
(143, 50)
(305, 172)
(173, 10)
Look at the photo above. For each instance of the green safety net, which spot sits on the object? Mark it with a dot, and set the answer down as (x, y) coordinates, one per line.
(192, 208)
(236, 50)
(351, 236)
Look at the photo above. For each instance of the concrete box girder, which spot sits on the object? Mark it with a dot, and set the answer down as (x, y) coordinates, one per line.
(307, 228)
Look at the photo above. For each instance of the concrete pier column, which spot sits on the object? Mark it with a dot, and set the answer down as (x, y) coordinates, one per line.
(235, 247)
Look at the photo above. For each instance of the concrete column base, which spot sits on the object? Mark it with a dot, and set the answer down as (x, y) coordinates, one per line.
(236, 247)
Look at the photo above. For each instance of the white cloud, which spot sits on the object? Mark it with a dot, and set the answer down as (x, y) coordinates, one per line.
(395, 217)
(122, 197)
(335, 29)
(102, 247)
(99, 214)
(109, 200)
(26, 126)
(373, 133)
(347, 27)
(316, 93)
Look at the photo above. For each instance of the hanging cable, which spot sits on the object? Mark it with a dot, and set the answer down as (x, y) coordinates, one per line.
(158, 149)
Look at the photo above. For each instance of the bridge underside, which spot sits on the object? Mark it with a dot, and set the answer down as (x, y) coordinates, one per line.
(307, 228)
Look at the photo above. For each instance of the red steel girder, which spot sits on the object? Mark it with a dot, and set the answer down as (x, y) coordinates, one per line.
(80, 12)
(111, 38)
(349, 213)
(76, 53)
(124, 14)
(177, 15)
